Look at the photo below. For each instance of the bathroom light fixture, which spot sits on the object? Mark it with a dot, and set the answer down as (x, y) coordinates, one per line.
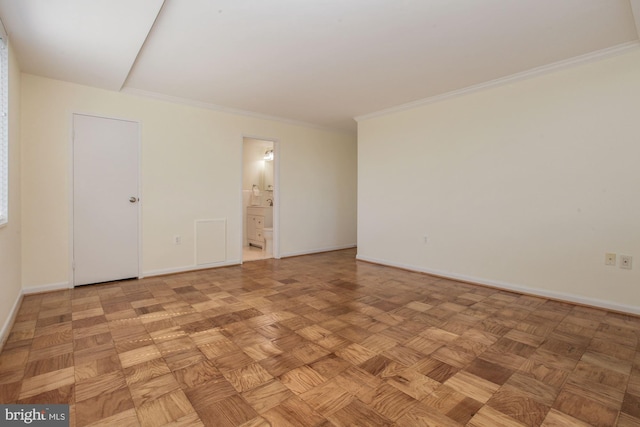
(268, 155)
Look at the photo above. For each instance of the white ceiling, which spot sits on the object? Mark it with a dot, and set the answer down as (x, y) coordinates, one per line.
(321, 62)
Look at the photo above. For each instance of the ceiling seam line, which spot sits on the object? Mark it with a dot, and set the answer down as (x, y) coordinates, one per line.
(135, 60)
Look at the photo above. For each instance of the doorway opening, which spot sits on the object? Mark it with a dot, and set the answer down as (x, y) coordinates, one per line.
(258, 198)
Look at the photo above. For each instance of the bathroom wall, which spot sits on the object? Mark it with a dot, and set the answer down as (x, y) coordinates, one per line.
(253, 164)
(254, 168)
(191, 169)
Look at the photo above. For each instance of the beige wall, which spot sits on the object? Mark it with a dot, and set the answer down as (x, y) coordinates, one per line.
(10, 277)
(191, 169)
(523, 186)
(333, 176)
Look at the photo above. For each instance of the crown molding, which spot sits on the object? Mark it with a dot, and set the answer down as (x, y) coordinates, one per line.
(229, 110)
(534, 72)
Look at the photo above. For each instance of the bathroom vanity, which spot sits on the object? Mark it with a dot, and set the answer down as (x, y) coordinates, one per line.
(258, 218)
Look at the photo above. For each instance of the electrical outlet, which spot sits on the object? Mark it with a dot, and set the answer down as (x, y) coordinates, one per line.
(609, 259)
(177, 240)
(625, 261)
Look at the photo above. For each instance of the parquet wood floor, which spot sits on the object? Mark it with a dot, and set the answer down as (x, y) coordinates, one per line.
(320, 340)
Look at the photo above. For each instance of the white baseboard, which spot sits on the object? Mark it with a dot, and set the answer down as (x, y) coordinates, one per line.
(561, 296)
(316, 251)
(4, 332)
(46, 288)
(188, 268)
(8, 324)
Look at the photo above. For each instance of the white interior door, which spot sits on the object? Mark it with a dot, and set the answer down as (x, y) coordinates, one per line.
(105, 199)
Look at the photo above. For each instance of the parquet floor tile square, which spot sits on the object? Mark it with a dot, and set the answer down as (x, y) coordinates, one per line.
(585, 409)
(320, 340)
(389, 401)
(248, 377)
(559, 419)
(454, 405)
(165, 409)
(327, 398)
(216, 389)
(301, 379)
(96, 367)
(267, 396)
(358, 414)
(46, 382)
(102, 406)
(413, 384)
(195, 374)
(531, 387)
(472, 386)
(611, 397)
(519, 406)
(105, 383)
(49, 364)
(421, 415)
(489, 417)
(60, 395)
(293, 412)
(152, 389)
(126, 418)
(280, 364)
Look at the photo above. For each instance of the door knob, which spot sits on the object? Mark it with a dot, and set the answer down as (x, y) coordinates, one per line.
(133, 199)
